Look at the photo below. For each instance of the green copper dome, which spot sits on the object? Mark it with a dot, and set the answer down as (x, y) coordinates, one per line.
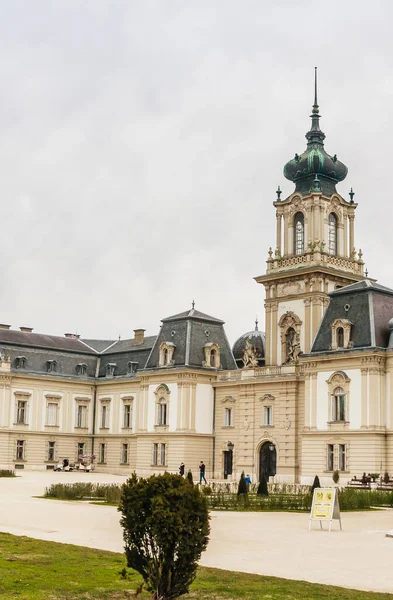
(315, 164)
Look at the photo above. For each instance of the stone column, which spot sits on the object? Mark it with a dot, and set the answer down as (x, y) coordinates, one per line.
(351, 233)
(274, 332)
(278, 243)
(286, 234)
(364, 397)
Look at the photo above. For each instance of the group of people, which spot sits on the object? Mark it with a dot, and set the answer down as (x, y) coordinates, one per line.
(202, 470)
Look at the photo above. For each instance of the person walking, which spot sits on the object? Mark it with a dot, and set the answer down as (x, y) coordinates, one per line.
(181, 469)
(202, 469)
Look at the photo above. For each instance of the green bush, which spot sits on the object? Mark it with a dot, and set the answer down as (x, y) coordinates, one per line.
(166, 528)
(206, 490)
(316, 484)
(189, 478)
(7, 473)
(110, 493)
(386, 477)
(242, 487)
(336, 476)
(262, 487)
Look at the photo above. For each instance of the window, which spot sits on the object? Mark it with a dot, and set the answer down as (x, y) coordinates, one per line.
(124, 454)
(330, 457)
(20, 450)
(165, 354)
(338, 405)
(102, 453)
(81, 416)
(299, 233)
(332, 234)
(81, 369)
(165, 358)
(228, 417)
(104, 416)
(20, 362)
(213, 358)
(51, 456)
(132, 367)
(51, 366)
(159, 454)
(110, 369)
(127, 414)
(80, 450)
(342, 457)
(21, 417)
(267, 415)
(340, 337)
(51, 414)
(162, 413)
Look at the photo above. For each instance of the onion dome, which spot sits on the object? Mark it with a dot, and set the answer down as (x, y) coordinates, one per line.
(254, 343)
(315, 164)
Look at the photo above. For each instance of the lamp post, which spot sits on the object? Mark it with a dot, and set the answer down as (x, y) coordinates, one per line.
(228, 459)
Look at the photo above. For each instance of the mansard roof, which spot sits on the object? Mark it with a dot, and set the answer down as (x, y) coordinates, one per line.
(193, 314)
(40, 340)
(369, 307)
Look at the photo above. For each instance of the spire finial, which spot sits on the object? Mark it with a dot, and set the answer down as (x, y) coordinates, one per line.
(315, 135)
(256, 323)
(193, 304)
(316, 86)
(351, 195)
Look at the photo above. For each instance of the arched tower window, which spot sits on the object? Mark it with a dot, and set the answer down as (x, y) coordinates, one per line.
(332, 234)
(299, 233)
(340, 337)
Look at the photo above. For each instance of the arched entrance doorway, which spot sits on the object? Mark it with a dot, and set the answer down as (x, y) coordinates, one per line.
(267, 460)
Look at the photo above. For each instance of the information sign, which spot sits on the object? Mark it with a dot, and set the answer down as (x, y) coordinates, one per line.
(325, 506)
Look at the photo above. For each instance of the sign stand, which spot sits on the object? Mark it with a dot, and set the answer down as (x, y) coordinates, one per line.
(325, 507)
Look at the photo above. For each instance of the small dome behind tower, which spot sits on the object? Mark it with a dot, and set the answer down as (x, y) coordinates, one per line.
(249, 349)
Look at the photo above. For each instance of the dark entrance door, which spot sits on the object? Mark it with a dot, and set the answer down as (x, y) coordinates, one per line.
(228, 460)
(267, 460)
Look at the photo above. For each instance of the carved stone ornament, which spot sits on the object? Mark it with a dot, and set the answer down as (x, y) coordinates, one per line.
(250, 359)
(267, 398)
(228, 399)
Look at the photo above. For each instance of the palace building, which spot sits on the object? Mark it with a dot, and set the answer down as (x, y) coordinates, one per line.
(309, 396)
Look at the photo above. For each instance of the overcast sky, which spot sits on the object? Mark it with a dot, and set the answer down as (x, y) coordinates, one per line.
(141, 144)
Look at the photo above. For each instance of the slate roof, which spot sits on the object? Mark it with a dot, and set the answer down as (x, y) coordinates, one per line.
(195, 314)
(40, 340)
(129, 345)
(369, 307)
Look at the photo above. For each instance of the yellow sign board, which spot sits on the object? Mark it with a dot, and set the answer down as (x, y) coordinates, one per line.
(325, 506)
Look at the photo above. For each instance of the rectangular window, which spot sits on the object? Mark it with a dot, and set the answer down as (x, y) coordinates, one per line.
(20, 450)
(228, 417)
(267, 415)
(127, 416)
(330, 457)
(342, 457)
(81, 415)
(124, 454)
(162, 413)
(155, 454)
(51, 451)
(163, 454)
(22, 412)
(338, 408)
(102, 453)
(104, 416)
(80, 450)
(51, 414)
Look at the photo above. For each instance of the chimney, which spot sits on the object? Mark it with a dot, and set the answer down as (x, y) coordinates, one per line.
(2, 326)
(139, 336)
(26, 329)
(74, 336)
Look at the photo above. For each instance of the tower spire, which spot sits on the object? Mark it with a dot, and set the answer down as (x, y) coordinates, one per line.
(315, 135)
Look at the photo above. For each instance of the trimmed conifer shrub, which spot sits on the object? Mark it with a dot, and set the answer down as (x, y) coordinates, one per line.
(189, 478)
(315, 484)
(336, 476)
(166, 528)
(242, 487)
(386, 477)
(262, 487)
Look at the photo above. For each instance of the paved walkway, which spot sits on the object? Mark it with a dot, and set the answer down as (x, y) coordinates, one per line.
(276, 544)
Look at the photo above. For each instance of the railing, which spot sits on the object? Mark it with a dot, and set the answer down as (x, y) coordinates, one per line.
(262, 372)
(316, 258)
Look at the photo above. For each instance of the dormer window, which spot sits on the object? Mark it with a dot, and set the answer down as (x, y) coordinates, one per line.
(110, 369)
(341, 334)
(51, 366)
(132, 367)
(20, 362)
(81, 369)
(167, 350)
(212, 355)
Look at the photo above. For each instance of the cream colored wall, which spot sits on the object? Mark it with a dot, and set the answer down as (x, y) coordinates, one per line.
(204, 408)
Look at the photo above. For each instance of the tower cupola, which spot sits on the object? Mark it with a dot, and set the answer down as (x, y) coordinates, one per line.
(315, 161)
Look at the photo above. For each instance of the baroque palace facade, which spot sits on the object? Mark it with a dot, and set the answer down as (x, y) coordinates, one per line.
(310, 396)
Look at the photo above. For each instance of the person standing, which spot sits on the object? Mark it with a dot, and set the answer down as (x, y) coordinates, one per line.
(181, 469)
(202, 469)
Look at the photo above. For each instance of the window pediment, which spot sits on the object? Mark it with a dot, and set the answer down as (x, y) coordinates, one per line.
(229, 399)
(267, 398)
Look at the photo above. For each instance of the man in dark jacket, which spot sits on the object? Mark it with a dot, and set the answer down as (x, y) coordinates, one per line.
(202, 469)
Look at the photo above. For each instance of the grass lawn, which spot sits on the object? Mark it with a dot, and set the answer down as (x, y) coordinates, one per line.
(36, 570)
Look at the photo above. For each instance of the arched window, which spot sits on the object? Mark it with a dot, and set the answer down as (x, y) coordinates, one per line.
(340, 337)
(213, 358)
(338, 404)
(332, 234)
(165, 353)
(299, 233)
